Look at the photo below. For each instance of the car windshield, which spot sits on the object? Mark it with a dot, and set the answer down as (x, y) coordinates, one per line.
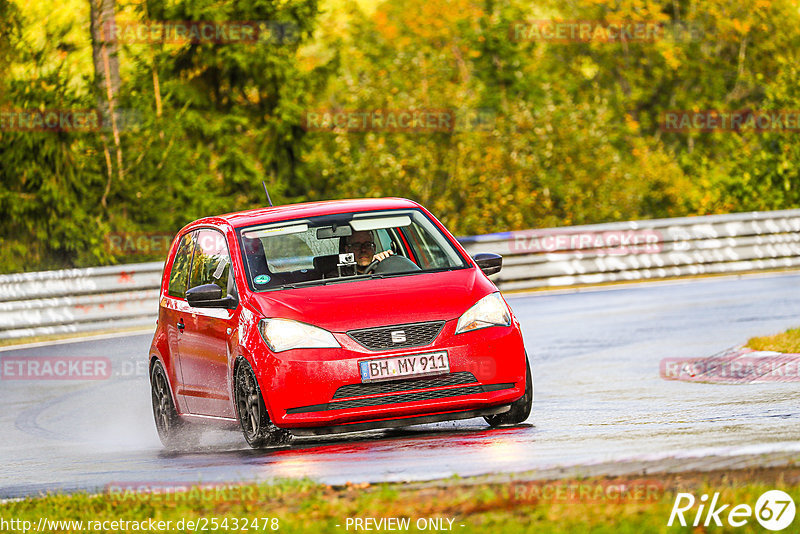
(343, 247)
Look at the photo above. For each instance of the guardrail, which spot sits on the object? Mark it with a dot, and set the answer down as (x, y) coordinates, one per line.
(98, 298)
(641, 250)
(79, 300)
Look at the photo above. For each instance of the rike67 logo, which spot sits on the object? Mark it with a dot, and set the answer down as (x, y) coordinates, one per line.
(774, 510)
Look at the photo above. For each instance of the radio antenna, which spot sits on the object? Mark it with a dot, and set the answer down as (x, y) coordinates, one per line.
(269, 200)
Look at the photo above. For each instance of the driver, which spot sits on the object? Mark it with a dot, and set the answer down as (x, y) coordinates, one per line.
(362, 245)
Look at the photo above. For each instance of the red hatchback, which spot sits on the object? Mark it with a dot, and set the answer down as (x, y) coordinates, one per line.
(331, 317)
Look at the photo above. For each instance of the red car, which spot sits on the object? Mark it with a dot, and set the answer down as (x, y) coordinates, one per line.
(330, 317)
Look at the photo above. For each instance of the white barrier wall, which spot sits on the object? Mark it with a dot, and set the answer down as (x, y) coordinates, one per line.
(79, 300)
(99, 298)
(640, 250)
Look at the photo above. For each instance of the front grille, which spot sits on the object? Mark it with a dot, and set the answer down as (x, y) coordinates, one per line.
(397, 336)
(393, 386)
(397, 399)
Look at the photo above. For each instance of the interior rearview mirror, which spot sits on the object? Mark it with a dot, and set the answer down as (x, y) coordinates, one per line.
(329, 232)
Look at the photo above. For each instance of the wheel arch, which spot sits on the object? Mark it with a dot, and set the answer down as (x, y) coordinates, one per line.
(237, 361)
(170, 384)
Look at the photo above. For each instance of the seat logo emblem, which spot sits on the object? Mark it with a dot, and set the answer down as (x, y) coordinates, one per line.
(399, 336)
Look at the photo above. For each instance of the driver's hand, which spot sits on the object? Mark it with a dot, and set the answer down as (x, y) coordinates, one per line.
(380, 256)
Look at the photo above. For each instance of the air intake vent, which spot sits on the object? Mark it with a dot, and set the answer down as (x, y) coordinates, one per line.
(375, 388)
(397, 336)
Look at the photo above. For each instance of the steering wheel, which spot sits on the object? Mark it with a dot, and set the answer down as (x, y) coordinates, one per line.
(372, 266)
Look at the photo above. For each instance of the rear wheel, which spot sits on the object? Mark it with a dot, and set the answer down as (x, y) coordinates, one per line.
(521, 408)
(168, 424)
(258, 430)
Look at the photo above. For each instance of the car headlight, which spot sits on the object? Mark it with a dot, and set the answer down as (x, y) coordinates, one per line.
(285, 334)
(491, 310)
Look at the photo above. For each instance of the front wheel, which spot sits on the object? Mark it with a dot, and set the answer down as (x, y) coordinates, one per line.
(251, 411)
(520, 408)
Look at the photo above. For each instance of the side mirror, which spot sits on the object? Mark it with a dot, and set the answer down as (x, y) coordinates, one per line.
(489, 263)
(210, 296)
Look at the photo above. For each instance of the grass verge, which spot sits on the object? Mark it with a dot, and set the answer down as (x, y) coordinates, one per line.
(788, 341)
(622, 504)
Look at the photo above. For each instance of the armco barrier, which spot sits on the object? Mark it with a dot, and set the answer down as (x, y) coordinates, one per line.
(79, 300)
(641, 250)
(99, 298)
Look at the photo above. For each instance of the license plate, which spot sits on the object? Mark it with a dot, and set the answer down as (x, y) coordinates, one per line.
(430, 363)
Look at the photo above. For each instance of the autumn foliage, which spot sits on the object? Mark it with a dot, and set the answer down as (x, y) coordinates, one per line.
(545, 132)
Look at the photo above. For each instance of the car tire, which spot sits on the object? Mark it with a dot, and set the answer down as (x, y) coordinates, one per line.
(520, 408)
(169, 425)
(258, 430)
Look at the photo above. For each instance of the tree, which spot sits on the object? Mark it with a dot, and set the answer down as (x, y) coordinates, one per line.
(106, 71)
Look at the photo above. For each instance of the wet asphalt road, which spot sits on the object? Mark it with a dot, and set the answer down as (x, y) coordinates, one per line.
(598, 398)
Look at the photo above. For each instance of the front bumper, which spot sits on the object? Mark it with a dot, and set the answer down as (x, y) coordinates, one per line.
(399, 422)
(312, 388)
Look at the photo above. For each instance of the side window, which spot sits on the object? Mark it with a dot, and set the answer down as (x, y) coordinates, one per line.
(212, 263)
(180, 267)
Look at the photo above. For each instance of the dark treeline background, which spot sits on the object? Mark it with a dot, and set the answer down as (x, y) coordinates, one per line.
(574, 134)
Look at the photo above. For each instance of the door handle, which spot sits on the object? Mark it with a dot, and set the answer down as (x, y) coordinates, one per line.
(181, 326)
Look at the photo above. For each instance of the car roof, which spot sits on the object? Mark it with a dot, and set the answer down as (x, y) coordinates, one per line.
(307, 209)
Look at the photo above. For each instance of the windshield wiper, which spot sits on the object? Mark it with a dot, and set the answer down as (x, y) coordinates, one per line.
(295, 285)
(322, 282)
(421, 271)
